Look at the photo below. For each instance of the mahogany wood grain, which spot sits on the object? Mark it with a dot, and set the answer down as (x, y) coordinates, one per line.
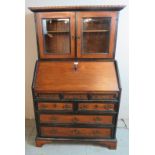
(96, 107)
(87, 119)
(76, 132)
(89, 77)
(55, 106)
(104, 96)
(48, 96)
(76, 96)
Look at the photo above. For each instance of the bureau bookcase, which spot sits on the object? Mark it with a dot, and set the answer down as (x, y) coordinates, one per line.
(76, 89)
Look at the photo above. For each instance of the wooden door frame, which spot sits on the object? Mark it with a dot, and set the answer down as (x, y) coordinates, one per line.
(40, 37)
(113, 30)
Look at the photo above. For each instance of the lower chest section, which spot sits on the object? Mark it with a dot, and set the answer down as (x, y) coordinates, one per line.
(77, 116)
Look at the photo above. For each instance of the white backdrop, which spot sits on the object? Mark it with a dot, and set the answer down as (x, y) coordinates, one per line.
(122, 48)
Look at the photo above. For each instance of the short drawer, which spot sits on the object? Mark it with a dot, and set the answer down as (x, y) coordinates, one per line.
(96, 107)
(48, 96)
(76, 132)
(103, 96)
(75, 96)
(55, 106)
(76, 119)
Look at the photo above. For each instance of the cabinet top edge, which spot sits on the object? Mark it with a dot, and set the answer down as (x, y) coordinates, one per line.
(78, 8)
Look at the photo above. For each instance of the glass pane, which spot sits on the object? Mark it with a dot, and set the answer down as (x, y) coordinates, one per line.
(56, 36)
(96, 34)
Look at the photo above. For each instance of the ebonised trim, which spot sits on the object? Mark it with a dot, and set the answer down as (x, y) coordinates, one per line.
(34, 76)
(34, 102)
(78, 8)
(78, 137)
(74, 139)
(118, 75)
(50, 100)
(65, 112)
(76, 125)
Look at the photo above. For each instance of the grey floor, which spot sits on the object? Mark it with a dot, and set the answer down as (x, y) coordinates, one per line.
(76, 149)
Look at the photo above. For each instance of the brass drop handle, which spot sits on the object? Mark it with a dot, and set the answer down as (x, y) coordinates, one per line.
(53, 131)
(83, 107)
(53, 118)
(108, 107)
(75, 131)
(54, 105)
(44, 106)
(96, 132)
(75, 120)
(96, 106)
(66, 106)
(97, 119)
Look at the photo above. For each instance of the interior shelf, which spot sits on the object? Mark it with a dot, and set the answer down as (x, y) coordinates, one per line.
(58, 31)
(96, 31)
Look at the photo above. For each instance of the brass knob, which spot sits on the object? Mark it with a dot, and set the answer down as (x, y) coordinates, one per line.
(73, 37)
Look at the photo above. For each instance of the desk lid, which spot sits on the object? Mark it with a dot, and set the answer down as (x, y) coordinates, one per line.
(70, 77)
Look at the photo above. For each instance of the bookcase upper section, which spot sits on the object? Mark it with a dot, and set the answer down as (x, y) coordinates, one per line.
(76, 31)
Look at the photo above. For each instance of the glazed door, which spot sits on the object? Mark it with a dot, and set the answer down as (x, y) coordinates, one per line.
(96, 33)
(56, 34)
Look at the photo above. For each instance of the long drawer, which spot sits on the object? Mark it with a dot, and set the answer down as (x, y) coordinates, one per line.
(76, 132)
(75, 119)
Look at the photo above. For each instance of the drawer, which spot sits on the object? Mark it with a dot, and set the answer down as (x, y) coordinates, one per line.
(76, 132)
(89, 119)
(55, 106)
(75, 96)
(96, 107)
(103, 96)
(48, 96)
